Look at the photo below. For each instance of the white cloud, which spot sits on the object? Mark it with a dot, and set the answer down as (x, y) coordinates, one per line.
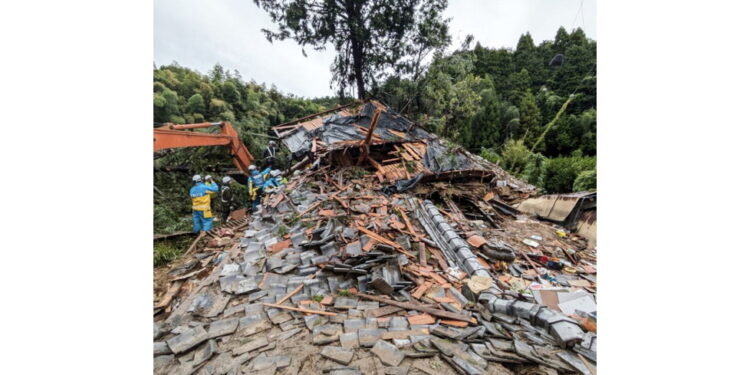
(499, 23)
(199, 33)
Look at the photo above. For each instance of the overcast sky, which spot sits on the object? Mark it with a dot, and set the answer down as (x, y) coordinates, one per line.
(199, 33)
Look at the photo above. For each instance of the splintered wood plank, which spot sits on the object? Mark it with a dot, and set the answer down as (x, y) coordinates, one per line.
(437, 254)
(385, 241)
(171, 292)
(421, 319)
(454, 323)
(419, 292)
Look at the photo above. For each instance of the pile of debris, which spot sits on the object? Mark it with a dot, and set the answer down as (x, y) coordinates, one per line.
(387, 269)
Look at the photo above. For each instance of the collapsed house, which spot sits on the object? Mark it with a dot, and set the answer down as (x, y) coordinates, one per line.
(389, 250)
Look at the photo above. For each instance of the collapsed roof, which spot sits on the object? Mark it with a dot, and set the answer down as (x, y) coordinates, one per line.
(395, 147)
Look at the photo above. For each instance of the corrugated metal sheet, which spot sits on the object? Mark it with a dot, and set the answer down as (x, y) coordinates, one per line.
(298, 141)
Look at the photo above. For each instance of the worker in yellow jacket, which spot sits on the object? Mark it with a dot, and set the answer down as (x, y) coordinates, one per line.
(200, 194)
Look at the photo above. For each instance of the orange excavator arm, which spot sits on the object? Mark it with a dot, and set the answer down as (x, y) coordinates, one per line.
(177, 136)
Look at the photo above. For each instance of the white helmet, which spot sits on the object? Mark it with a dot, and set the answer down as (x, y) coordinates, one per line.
(208, 177)
(226, 179)
(275, 172)
(251, 167)
(197, 178)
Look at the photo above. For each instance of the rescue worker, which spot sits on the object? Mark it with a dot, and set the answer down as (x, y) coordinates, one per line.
(207, 179)
(227, 200)
(272, 183)
(255, 185)
(269, 155)
(201, 197)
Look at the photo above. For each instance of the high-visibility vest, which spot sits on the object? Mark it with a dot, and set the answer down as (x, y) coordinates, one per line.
(201, 198)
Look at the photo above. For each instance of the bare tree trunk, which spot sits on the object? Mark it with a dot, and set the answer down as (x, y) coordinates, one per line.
(354, 32)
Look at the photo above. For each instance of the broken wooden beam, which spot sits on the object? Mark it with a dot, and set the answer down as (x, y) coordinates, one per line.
(384, 240)
(368, 138)
(412, 306)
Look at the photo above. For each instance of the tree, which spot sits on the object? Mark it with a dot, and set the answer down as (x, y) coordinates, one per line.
(527, 57)
(531, 116)
(166, 107)
(518, 84)
(451, 94)
(370, 36)
(229, 93)
(195, 104)
(562, 39)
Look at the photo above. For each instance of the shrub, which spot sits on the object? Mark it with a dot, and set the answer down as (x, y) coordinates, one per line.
(562, 172)
(490, 156)
(164, 253)
(515, 155)
(586, 181)
(535, 170)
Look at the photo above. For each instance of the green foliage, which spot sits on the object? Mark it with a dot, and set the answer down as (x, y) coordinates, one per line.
(165, 253)
(535, 170)
(167, 220)
(586, 181)
(358, 172)
(531, 116)
(490, 156)
(196, 104)
(562, 172)
(317, 298)
(514, 156)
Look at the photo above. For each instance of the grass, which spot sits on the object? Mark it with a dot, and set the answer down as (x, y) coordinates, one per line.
(359, 172)
(166, 251)
(293, 220)
(282, 231)
(344, 293)
(317, 298)
(411, 166)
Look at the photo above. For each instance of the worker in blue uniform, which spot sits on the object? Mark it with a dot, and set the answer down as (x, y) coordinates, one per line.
(272, 183)
(200, 194)
(255, 185)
